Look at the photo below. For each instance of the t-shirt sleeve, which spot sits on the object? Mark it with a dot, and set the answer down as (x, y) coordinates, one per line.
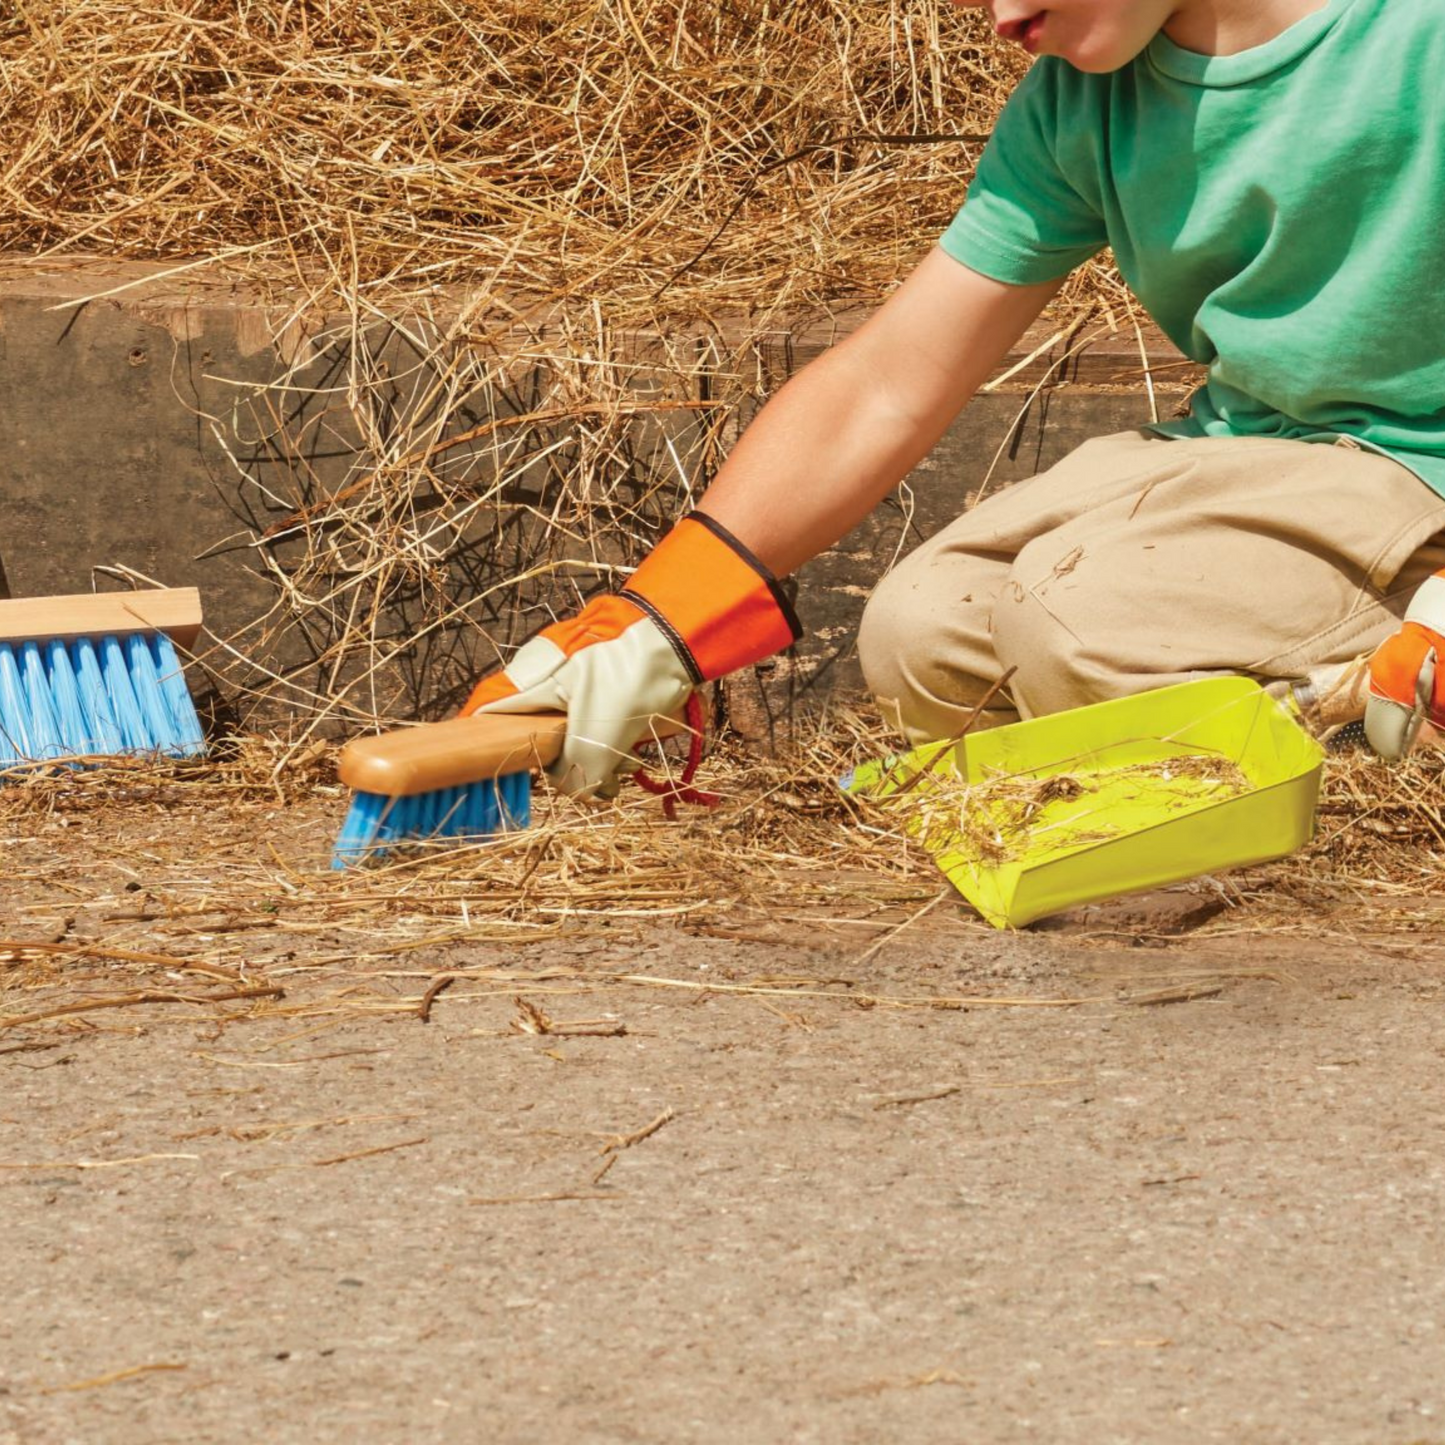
(1026, 219)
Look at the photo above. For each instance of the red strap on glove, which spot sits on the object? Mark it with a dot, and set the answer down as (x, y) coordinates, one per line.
(677, 790)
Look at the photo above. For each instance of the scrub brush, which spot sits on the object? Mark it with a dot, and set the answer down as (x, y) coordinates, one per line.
(466, 777)
(97, 675)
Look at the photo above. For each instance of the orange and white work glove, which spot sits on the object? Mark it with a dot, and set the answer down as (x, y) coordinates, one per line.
(1407, 675)
(700, 606)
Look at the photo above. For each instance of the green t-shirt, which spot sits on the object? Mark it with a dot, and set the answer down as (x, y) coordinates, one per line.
(1280, 213)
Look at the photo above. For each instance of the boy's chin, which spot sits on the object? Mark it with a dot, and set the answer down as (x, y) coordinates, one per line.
(1099, 62)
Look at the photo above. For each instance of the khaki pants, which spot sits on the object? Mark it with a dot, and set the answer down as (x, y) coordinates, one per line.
(1139, 561)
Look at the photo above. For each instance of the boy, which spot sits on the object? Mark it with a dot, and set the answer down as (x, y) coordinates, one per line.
(1271, 177)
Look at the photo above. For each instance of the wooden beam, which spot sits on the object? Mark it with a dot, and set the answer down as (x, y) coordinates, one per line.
(175, 611)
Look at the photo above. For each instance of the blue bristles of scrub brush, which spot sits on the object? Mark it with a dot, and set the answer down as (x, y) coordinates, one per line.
(467, 777)
(377, 822)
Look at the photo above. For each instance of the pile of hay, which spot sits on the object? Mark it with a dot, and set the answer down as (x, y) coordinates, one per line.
(627, 153)
(193, 893)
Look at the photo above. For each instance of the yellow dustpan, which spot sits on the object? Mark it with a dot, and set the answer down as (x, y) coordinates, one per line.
(1045, 815)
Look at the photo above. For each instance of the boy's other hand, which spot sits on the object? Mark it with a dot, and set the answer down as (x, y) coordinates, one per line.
(1407, 675)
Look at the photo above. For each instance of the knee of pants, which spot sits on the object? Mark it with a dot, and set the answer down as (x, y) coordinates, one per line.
(926, 667)
(884, 635)
(1054, 667)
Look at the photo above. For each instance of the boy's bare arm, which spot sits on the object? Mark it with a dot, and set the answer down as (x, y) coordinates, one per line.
(817, 459)
(850, 426)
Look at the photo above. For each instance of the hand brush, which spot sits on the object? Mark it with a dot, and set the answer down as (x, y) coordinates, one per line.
(465, 777)
(97, 675)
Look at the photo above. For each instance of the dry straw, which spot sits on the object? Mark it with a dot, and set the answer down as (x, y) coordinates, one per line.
(629, 150)
(199, 895)
(1008, 817)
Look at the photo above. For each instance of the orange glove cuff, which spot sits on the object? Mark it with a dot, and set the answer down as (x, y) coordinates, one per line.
(718, 606)
(1395, 668)
(1395, 665)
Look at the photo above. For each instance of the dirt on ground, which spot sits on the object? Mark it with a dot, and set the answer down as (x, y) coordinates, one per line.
(1164, 1169)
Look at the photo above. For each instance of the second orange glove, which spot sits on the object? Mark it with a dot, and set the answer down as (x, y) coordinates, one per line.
(1407, 683)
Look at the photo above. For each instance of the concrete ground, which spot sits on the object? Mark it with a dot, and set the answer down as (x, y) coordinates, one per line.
(1156, 1174)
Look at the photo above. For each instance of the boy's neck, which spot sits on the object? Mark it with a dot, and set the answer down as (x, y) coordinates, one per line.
(1225, 27)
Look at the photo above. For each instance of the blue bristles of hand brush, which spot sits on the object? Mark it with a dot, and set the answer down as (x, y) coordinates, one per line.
(376, 822)
(88, 697)
(84, 699)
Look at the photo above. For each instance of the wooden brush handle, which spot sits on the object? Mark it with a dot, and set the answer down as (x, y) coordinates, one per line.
(459, 751)
(175, 611)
